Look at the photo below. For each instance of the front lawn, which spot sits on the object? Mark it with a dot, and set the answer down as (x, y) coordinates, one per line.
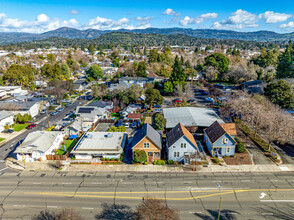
(2, 139)
(19, 127)
(115, 115)
(69, 144)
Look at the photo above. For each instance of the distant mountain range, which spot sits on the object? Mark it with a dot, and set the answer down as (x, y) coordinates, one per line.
(71, 33)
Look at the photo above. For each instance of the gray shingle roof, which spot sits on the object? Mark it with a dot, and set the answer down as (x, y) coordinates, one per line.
(215, 131)
(149, 132)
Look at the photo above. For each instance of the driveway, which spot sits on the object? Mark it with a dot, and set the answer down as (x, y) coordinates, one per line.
(286, 153)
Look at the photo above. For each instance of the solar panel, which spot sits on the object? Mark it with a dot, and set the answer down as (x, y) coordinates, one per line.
(85, 110)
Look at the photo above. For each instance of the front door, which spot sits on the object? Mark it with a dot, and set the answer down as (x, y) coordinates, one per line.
(150, 157)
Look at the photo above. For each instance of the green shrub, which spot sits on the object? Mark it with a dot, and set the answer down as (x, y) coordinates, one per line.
(107, 159)
(155, 162)
(241, 148)
(112, 159)
(140, 156)
(146, 163)
(122, 157)
(102, 159)
(6, 127)
(159, 162)
(170, 162)
(216, 160)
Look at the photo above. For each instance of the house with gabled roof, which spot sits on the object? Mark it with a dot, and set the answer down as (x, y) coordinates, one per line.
(149, 140)
(219, 139)
(180, 144)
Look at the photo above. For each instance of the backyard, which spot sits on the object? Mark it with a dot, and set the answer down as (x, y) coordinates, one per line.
(69, 144)
(19, 127)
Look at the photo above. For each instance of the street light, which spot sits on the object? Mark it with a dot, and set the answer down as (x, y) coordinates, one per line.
(220, 200)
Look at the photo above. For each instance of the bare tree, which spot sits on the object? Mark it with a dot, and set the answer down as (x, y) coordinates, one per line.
(154, 209)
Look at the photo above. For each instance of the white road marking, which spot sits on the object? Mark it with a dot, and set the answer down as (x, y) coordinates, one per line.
(1, 161)
(217, 181)
(4, 169)
(245, 180)
(36, 183)
(66, 183)
(53, 207)
(19, 205)
(87, 208)
(267, 213)
(96, 183)
(276, 200)
(262, 195)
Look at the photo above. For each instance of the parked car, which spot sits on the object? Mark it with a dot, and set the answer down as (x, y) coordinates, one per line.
(209, 99)
(191, 100)
(43, 111)
(60, 109)
(177, 100)
(70, 113)
(134, 124)
(31, 126)
(204, 93)
(68, 104)
(89, 97)
(9, 131)
(127, 124)
(54, 113)
(119, 123)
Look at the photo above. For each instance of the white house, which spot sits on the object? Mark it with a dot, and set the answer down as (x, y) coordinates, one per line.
(6, 118)
(100, 144)
(21, 107)
(181, 145)
(38, 144)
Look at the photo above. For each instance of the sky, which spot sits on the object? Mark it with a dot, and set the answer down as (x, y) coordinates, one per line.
(36, 16)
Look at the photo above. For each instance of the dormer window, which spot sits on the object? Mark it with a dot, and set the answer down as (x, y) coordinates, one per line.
(225, 140)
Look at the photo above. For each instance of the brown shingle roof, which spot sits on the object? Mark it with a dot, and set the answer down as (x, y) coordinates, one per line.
(134, 115)
(230, 128)
(177, 132)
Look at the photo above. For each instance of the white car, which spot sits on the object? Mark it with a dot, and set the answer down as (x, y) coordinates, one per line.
(127, 124)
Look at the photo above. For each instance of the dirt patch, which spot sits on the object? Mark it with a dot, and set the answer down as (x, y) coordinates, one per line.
(238, 159)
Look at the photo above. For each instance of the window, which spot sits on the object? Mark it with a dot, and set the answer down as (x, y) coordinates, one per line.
(176, 154)
(228, 150)
(146, 145)
(183, 145)
(174, 146)
(225, 140)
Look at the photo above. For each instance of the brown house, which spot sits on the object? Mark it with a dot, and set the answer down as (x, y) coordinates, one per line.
(149, 140)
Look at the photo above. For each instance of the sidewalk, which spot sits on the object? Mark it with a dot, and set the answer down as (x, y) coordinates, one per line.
(51, 165)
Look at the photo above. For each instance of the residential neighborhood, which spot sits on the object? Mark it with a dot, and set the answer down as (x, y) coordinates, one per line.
(174, 122)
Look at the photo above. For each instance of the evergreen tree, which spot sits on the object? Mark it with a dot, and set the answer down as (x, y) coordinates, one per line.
(178, 74)
(91, 49)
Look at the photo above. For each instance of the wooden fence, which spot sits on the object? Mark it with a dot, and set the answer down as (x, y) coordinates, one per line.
(56, 157)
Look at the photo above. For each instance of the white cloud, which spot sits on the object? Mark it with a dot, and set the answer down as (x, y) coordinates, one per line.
(74, 12)
(42, 18)
(42, 24)
(144, 18)
(239, 19)
(271, 17)
(106, 23)
(169, 11)
(188, 21)
(289, 25)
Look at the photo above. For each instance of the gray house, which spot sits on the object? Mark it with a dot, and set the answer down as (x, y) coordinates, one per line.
(181, 144)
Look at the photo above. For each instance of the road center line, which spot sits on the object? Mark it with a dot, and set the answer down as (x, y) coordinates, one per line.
(87, 208)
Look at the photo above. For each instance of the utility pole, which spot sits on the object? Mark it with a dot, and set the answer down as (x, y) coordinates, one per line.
(23, 157)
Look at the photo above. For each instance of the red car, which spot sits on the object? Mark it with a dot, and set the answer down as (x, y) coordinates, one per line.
(31, 126)
(177, 100)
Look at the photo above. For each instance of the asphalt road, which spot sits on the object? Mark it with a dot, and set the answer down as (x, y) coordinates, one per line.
(194, 195)
(43, 125)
